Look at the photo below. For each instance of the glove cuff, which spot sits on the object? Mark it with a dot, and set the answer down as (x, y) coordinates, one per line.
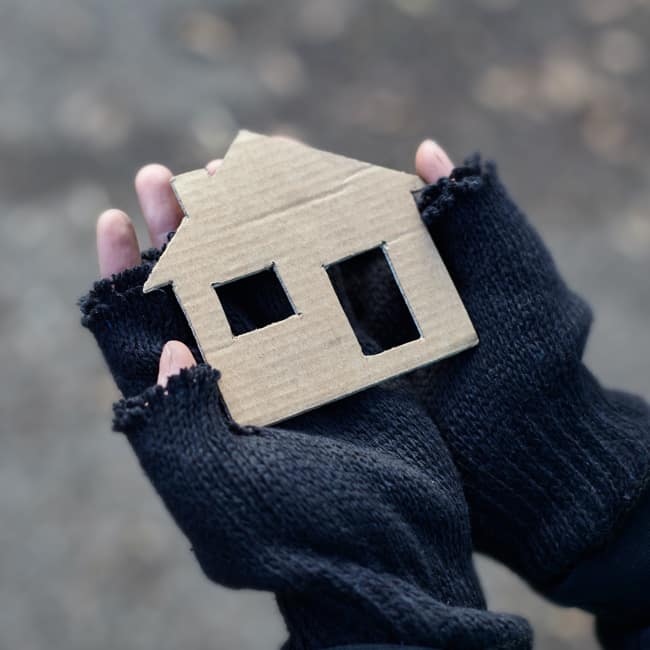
(395, 612)
(380, 647)
(436, 201)
(99, 303)
(613, 583)
(131, 327)
(576, 463)
(194, 386)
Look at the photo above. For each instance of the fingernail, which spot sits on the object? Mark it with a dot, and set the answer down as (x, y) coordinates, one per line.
(169, 354)
(166, 361)
(212, 166)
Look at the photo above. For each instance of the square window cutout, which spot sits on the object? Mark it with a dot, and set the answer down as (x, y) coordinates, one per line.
(370, 295)
(254, 301)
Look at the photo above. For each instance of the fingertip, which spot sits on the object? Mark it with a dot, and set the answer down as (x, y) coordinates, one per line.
(432, 162)
(174, 357)
(112, 219)
(213, 165)
(117, 243)
(161, 210)
(150, 175)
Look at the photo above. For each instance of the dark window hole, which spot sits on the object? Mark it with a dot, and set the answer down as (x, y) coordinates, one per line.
(254, 301)
(373, 302)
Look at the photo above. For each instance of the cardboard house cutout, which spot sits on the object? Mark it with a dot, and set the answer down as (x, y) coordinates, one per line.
(276, 204)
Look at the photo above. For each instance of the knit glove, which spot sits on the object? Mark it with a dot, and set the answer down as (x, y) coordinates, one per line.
(552, 464)
(352, 514)
(614, 582)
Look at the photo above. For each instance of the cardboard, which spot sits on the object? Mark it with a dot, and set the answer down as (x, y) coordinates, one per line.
(277, 203)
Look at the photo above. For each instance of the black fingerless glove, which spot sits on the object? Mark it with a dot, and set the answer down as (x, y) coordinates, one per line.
(551, 462)
(553, 465)
(353, 514)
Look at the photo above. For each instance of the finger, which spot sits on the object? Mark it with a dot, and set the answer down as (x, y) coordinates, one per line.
(213, 165)
(160, 208)
(431, 162)
(117, 243)
(174, 357)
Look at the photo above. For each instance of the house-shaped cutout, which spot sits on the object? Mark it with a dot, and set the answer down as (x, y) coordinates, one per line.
(278, 204)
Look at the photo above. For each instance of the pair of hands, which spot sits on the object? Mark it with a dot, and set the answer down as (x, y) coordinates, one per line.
(355, 512)
(351, 514)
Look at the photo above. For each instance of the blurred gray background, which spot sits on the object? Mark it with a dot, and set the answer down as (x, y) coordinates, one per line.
(556, 91)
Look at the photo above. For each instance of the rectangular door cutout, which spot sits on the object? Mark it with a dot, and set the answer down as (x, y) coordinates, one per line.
(373, 301)
(254, 301)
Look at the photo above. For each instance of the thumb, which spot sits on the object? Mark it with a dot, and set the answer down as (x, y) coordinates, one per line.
(432, 162)
(174, 357)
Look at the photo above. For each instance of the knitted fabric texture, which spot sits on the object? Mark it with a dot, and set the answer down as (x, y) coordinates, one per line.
(614, 582)
(353, 515)
(552, 463)
(376, 647)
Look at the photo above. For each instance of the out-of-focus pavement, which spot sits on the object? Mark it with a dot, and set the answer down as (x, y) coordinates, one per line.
(558, 91)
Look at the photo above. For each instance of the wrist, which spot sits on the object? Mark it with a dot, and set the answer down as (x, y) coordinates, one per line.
(613, 582)
(577, 465)
(380, 647)
(395, 613)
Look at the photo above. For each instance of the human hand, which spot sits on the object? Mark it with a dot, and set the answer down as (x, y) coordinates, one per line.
(130, 331)
(352, 514)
